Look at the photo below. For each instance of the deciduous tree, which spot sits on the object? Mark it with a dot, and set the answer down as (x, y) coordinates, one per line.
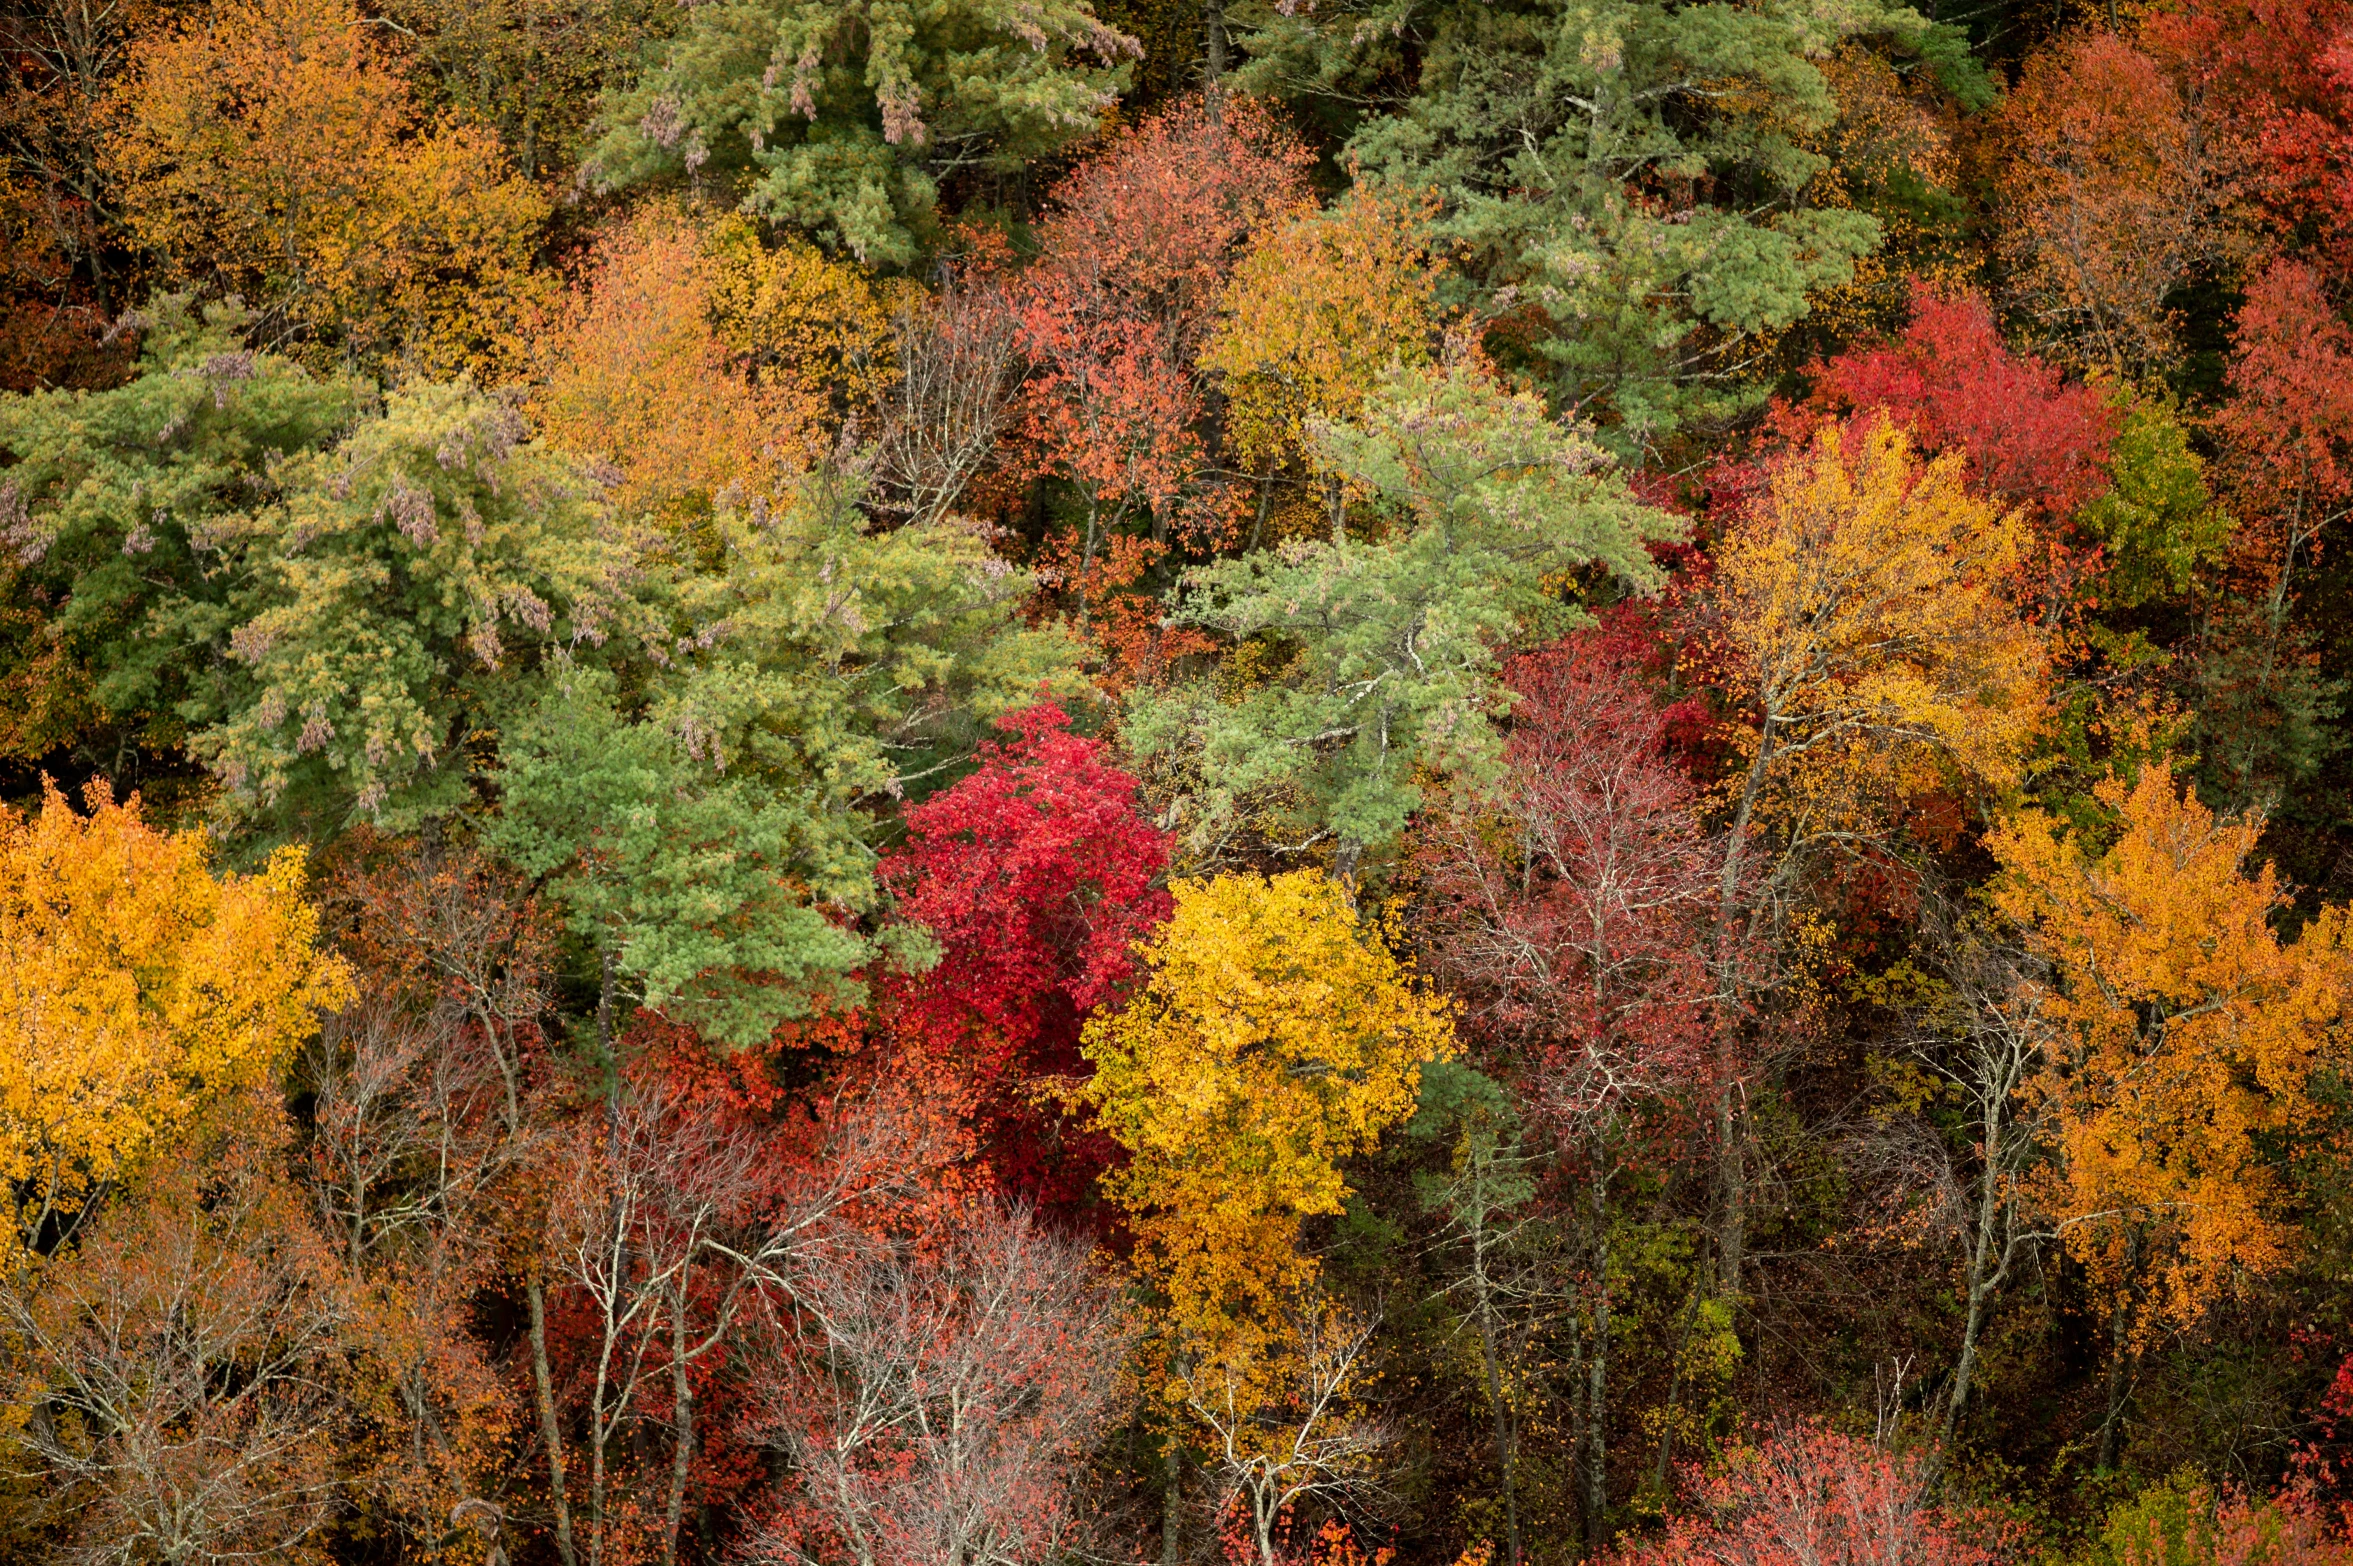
(138, 989)
(1037, 877)
(273, 147)
(2185, 1030)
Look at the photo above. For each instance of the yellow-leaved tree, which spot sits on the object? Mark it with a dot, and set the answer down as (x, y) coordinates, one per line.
(1317, 312)
(137, 988)
(1276, 1036)
(1867, 629)
(274, 148)
(2184, 1033)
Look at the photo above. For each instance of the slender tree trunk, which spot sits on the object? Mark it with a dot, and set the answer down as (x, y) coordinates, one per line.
(1731, 1172)
(1984, 1276)
(1214, 46)
(1675, 1380)
(1597, 1381)
(551, 1432)
(1506, 1457)
(682, 1417)
(1172, 1503)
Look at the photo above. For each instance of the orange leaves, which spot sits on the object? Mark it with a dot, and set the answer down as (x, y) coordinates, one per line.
(1316, 312)
(2185, 1031)
(136, 990)
(640, 379)
(273, 146)
(704, 365)
(2115, 191)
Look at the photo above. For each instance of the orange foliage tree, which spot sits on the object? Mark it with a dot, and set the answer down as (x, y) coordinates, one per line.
(2115, 191)
(2184, 1032)
(273, 148)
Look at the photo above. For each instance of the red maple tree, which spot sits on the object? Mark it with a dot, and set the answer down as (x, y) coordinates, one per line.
(1037, 875)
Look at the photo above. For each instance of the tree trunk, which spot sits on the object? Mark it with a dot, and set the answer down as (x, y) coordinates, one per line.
(1505, 1456)
(1172, 1503)
(1597, 1382)
(1213, 41)
(682, 1417)
(543, 1393)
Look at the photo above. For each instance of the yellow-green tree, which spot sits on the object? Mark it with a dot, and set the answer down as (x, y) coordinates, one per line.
(1318, 311)
(274, 148)
(2183, 1033)
(137, 988)
(1276, 1036)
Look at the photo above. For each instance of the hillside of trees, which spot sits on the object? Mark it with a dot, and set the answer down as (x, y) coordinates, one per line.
(1219, 782)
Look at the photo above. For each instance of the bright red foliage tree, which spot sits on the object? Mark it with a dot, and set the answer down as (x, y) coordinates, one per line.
(2032, 438)
(1037, 875)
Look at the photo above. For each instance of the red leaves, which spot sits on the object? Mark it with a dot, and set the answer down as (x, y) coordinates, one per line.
(2032, 437)
(1808, 1496)
(1573, 918)
(2293, 375)
(1037, 875)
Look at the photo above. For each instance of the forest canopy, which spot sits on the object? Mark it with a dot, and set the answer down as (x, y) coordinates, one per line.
(1048, 782)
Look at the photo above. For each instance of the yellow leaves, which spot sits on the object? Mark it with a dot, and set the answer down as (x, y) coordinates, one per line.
(1275, 1037)
(811, 330)
(1866, 620)
(699, 362)
(2185, 1030)
(273, 145)
(136, 989)
(1317, 310)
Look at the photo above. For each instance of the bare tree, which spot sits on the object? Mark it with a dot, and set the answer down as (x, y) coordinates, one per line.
(423, 1113)
(949, 1390)
(681, 1218)
(958, 371)
(1988, 1043)
(187, 1367)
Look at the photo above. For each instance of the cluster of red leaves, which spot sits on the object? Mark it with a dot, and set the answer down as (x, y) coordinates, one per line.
(1111, 319)
(2031, 437)
(1572, 910)
(1037, 875)
(1806, 1496)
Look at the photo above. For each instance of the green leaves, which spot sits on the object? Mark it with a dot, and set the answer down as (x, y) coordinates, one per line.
(709, 826)
(1635, 169)
(847, 115)
(406, 577)
(113, 505)
(1374, 660)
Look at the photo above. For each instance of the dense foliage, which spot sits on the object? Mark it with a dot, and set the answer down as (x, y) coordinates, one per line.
(1280, 782)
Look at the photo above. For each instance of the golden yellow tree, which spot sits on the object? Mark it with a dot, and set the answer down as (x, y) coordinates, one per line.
(1866, 626)
(1316, 313)
(2183, 1033)
(136, 989)
(1275, 1037)
(273, 147)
